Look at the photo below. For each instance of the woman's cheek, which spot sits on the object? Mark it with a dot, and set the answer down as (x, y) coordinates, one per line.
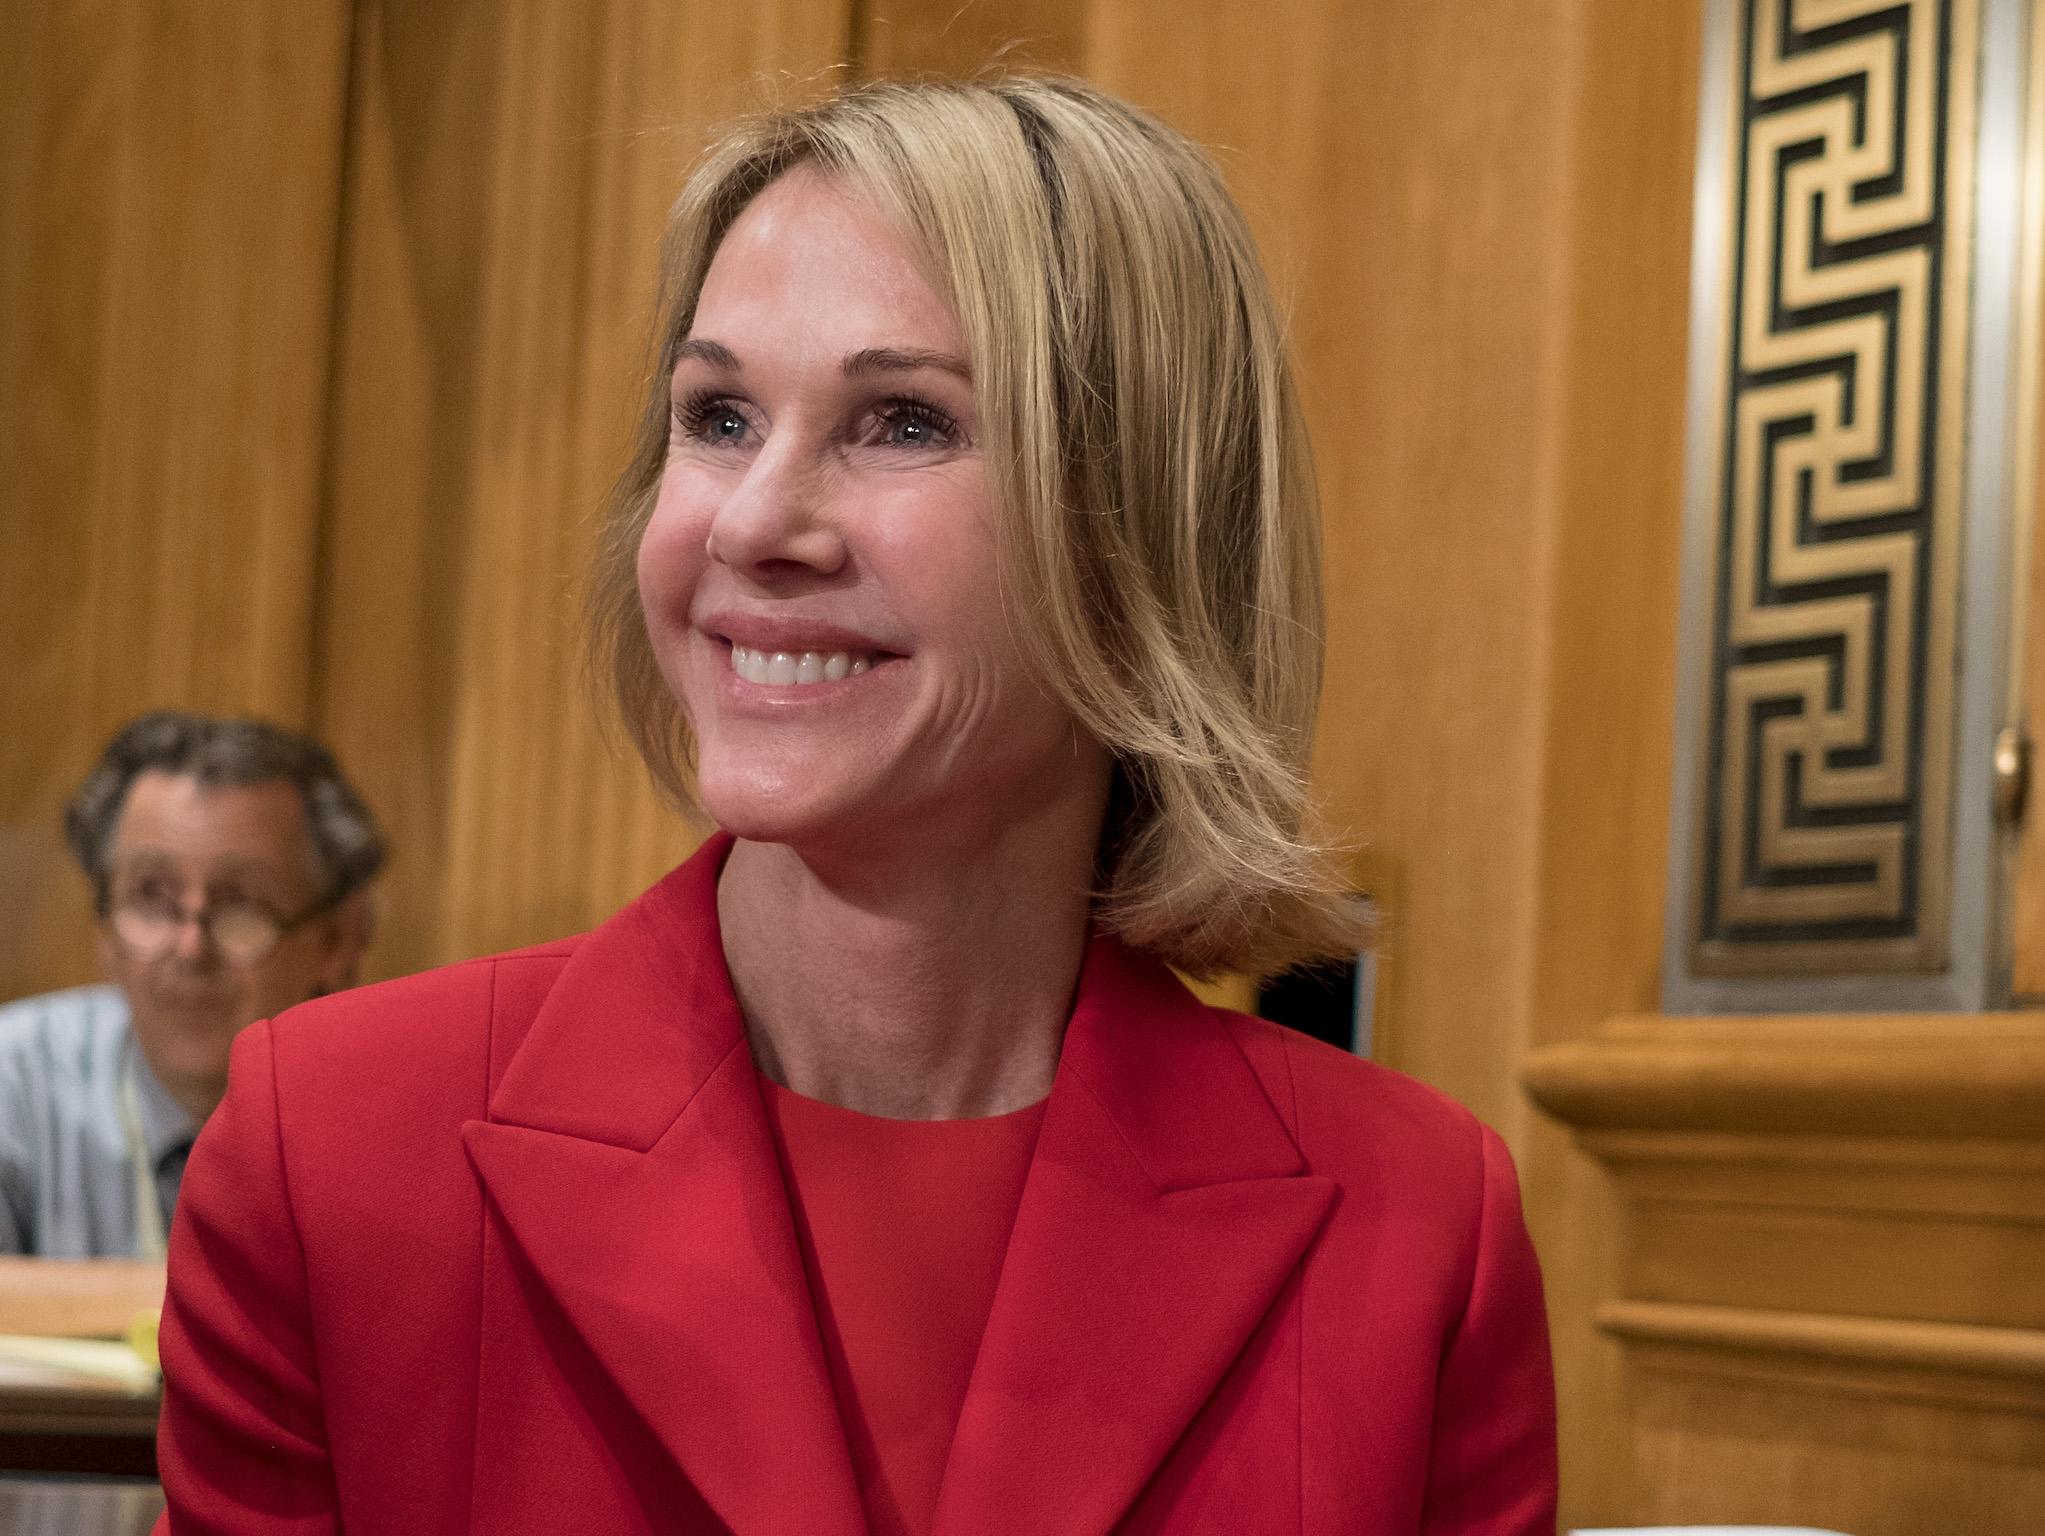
(671, 558)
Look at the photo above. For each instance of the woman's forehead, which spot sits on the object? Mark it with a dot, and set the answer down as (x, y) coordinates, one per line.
(814, 266)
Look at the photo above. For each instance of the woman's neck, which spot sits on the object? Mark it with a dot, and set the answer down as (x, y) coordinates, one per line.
(923, 987)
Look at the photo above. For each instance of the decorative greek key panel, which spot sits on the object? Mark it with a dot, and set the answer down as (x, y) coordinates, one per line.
(1823, 771)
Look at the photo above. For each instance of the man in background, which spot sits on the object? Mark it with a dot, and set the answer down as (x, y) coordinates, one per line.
(231, 867)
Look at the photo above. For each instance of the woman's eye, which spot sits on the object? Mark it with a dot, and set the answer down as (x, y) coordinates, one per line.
(915, 424)
(712, 420)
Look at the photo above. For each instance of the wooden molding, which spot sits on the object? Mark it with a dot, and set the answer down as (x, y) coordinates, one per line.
(1881, 1167)
(1931, 1075)
(2012, 1354)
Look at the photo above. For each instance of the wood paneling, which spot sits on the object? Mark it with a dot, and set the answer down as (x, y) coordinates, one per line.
(510, 170)
(423, 89)
(947, 37)
(1608, 632)
(1878, 1428)
(356, 501)
(171, 180)
(1826, 1297)
(1373, 163)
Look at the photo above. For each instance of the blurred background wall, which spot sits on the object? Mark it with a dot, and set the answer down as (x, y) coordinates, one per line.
(322, 325)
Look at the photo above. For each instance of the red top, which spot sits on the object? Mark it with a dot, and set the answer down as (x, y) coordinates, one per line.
(903, 1226)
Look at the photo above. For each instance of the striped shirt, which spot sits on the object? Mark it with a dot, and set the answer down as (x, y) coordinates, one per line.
(67, 1176)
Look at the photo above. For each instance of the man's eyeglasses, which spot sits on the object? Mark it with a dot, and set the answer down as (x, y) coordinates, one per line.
(242, 929)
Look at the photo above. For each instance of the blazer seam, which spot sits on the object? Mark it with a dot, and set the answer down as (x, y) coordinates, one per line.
(1298, 1126)
(1299, 1402)
(1120, 1134)
(298, 1246)
(482, 1251)
(1156, 1183)
(694, 1094)
(1474, 1262)
(1453, 1335)
(1289, 1040)
(556, 953)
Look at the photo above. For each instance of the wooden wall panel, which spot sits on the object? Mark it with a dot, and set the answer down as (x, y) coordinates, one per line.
(1607, 689)
(944, 37)
(423, 90)
(1881, 1429)
(1403, 172)
(171, 180)
(512, 166)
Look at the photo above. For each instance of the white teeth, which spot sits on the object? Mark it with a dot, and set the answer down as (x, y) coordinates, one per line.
(795, 669)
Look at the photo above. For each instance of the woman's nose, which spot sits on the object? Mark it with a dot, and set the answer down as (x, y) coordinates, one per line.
(778, 518)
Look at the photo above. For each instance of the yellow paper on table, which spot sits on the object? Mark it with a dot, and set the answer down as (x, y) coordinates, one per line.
(109, 1362)
(142, 1335)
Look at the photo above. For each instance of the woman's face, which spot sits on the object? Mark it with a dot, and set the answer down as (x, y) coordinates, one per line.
(818, 574)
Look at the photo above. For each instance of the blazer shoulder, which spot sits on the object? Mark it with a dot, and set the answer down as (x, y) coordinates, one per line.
(435, 1022)
(1347, 1114)
(1419, 1174)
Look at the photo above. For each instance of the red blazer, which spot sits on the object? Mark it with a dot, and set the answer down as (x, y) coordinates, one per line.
(504, 1248)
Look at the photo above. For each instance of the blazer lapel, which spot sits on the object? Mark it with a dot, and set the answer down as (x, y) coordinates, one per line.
(1166, 1207)
(628, 1160)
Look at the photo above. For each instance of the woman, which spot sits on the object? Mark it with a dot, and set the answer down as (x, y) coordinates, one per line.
(873, 1171)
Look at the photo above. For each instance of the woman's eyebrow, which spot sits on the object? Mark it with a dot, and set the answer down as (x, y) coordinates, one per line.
(899, 360)
(867, 360)
(715, 353)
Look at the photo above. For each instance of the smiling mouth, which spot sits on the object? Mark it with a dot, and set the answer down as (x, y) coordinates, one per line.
(784, 669)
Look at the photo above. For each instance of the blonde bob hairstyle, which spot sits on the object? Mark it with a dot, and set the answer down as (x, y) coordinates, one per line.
(1157, 519)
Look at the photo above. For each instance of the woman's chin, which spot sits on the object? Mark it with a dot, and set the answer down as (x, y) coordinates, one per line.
(786, 813)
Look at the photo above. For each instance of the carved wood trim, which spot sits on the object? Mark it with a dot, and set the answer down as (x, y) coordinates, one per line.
(1935, 1075)
(2015, 1355)
(1833, 1232)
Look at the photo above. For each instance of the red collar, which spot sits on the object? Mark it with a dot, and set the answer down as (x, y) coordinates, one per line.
(628, 1156)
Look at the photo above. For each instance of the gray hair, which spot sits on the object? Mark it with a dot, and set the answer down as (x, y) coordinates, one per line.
(345, 837)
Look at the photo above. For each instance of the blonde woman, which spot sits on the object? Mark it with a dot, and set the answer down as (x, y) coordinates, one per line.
(873, 1172)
